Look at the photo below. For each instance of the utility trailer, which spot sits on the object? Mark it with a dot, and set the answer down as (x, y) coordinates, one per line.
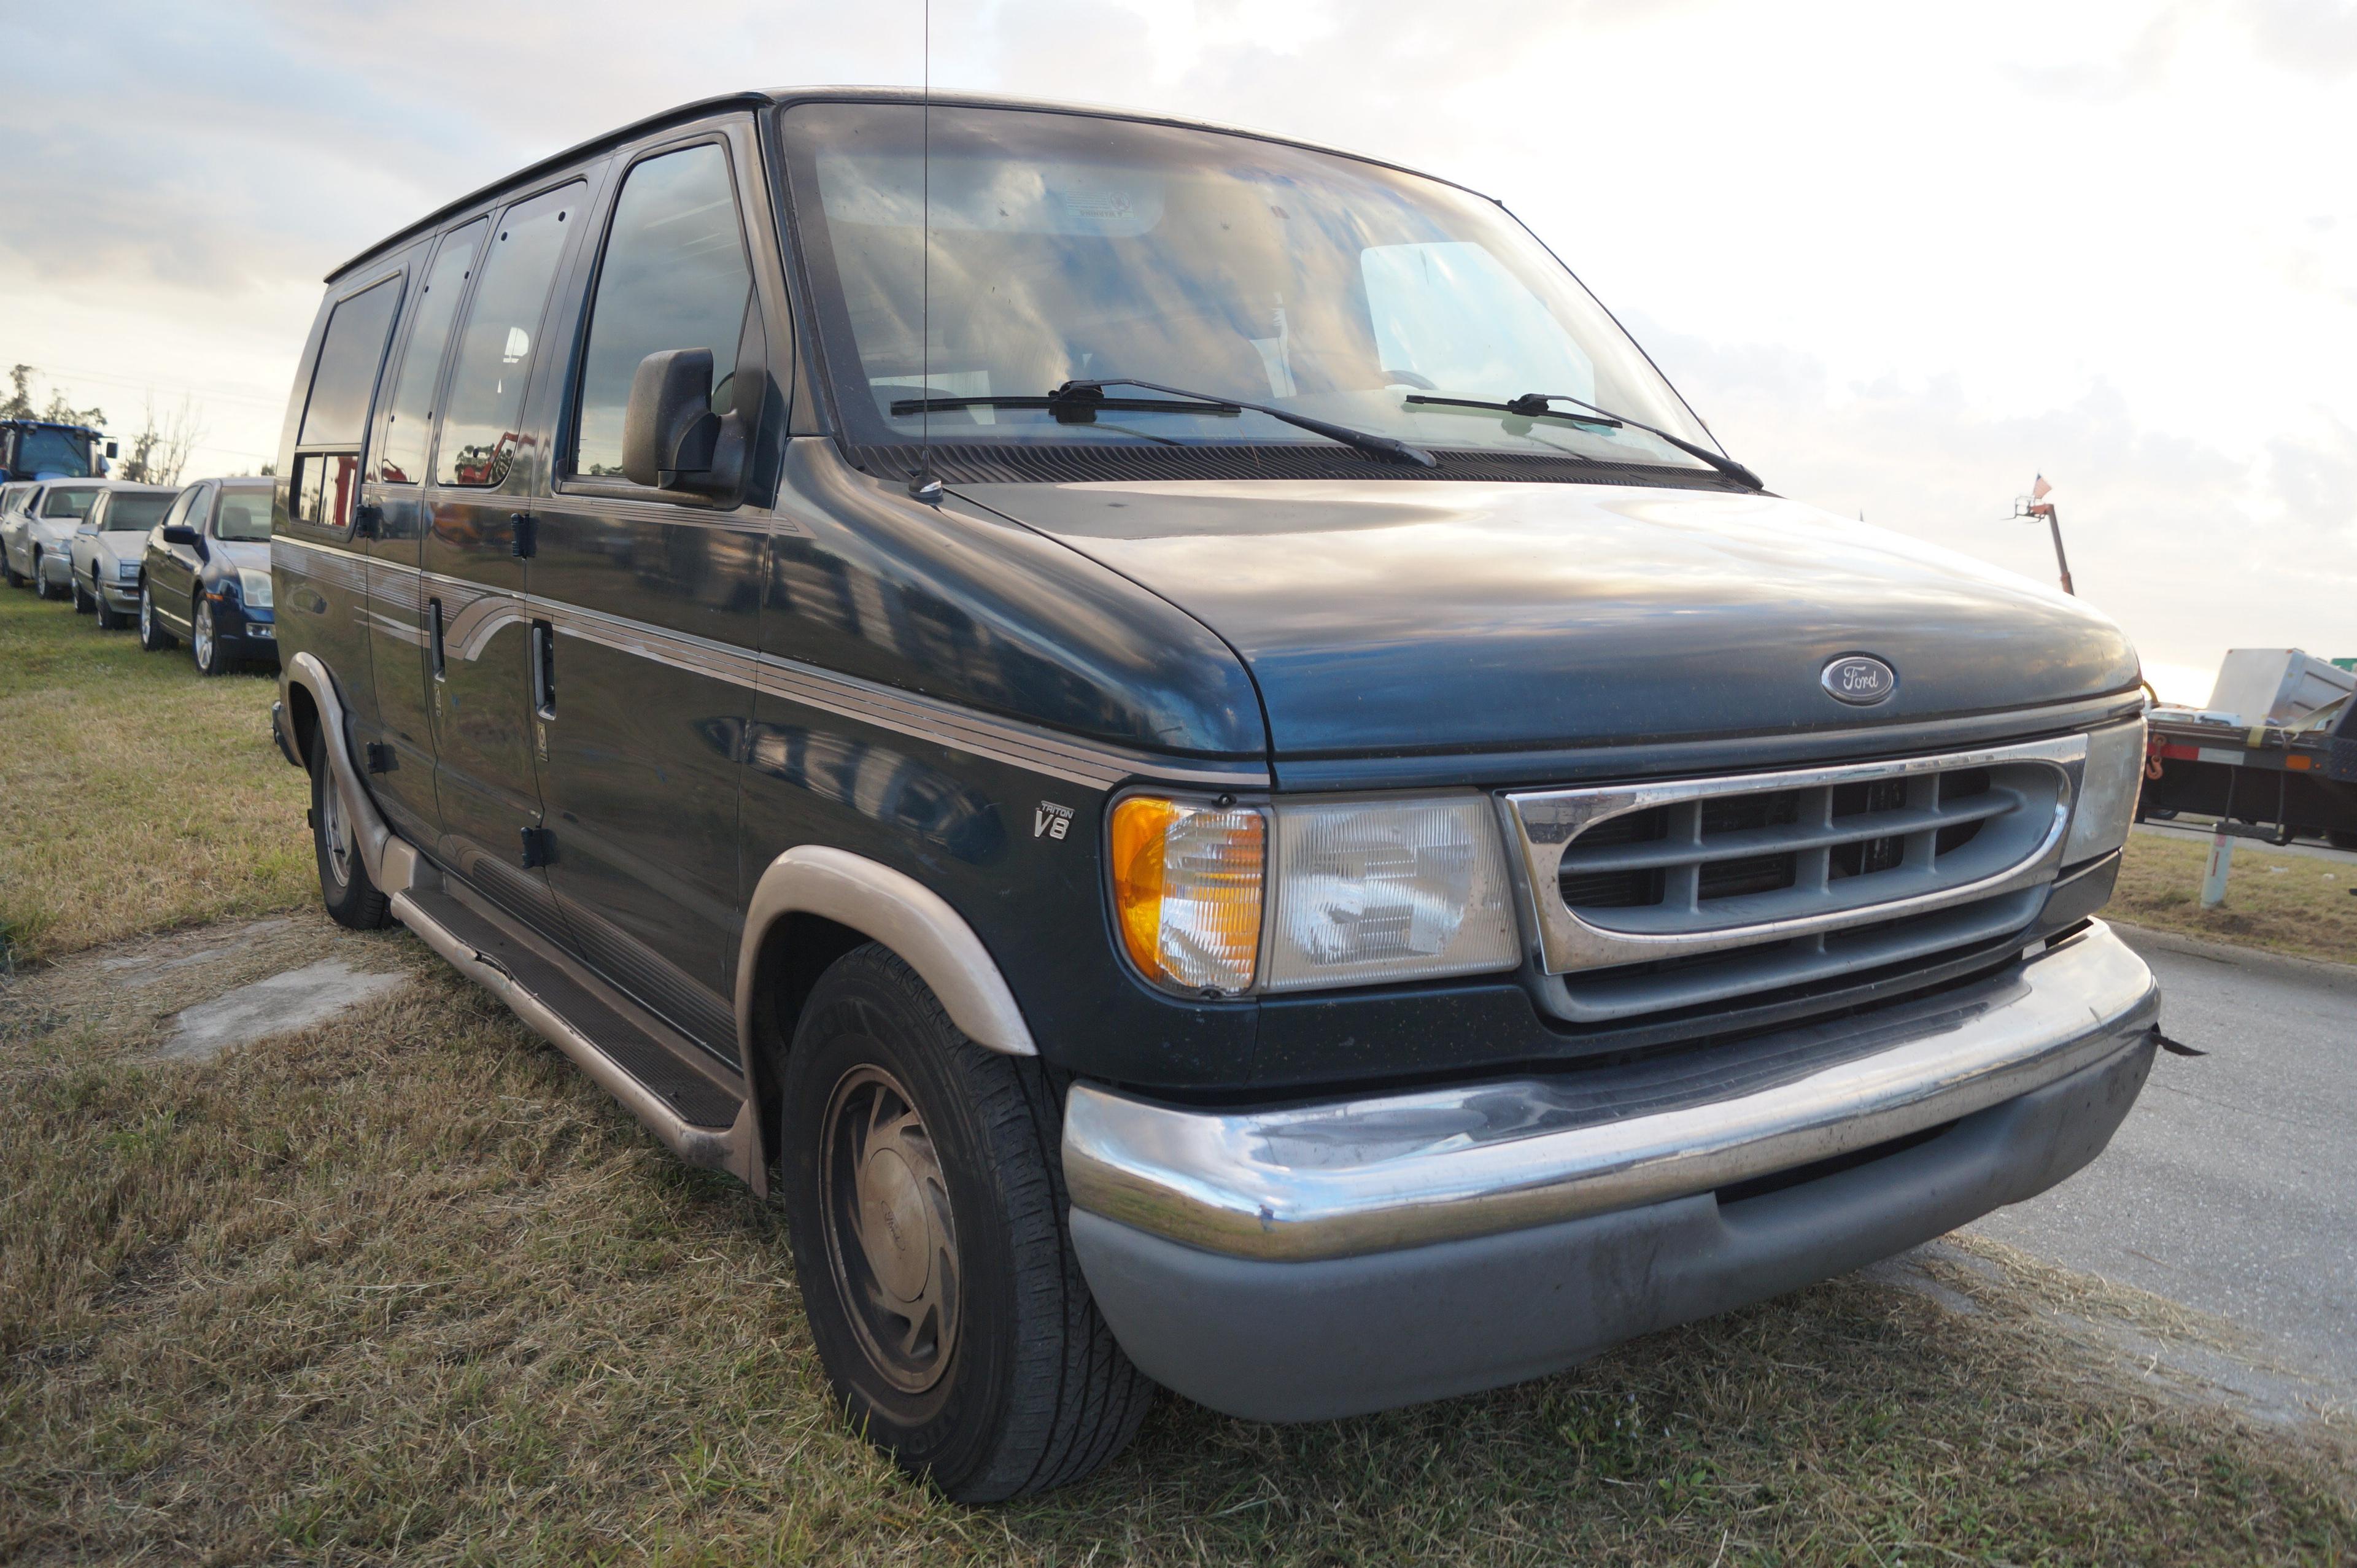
(2273, 757)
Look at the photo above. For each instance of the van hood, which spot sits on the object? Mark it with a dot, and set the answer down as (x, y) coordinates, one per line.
(1388, 617)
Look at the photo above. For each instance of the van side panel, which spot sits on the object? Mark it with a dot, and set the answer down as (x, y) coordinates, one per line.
(935, 776)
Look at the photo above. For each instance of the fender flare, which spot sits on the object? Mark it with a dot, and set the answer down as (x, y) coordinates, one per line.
(896, 909)
(368, 827)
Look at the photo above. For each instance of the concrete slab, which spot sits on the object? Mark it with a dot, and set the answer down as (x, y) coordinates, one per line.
(277, 1006)
(147, 968)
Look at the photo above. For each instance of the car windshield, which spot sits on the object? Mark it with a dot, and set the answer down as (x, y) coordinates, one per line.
(1068, 246)
(242, 517)
(69, 503)
(136, 513)
(62, 453)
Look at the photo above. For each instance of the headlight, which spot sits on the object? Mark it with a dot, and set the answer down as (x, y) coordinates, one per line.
(126, 570)
(1369, 891)
(1358, 892)
(256, 587)
(2107, 793)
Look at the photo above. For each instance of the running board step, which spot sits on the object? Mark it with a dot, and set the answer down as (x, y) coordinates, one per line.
(662, 1078)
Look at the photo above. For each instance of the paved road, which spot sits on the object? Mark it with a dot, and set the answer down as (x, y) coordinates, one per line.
(2232, 1186)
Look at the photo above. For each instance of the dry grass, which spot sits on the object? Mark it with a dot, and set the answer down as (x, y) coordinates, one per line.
(132, 794)
(2296, 904)
(406, 1287)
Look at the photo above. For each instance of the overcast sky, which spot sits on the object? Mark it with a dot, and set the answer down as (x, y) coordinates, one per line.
(1900, 257)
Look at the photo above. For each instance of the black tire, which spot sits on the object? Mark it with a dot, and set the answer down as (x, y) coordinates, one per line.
(152, 635)
(345, 888)
(1018, 1386)
(2342, 838)
(204, 639)
(9, 572)
(109, 618)
(83, 603)
(40, 579)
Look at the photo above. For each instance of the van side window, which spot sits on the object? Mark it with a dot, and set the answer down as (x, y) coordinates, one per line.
(348, 358)
(480, 415)
(327, 455)
(402, 459)
(675, 276)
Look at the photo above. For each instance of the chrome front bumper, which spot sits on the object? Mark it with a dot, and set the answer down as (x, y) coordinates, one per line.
(1354, 1177)
(1322, 1261)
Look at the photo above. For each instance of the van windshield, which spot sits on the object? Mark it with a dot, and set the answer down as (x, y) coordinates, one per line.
(1070, 247)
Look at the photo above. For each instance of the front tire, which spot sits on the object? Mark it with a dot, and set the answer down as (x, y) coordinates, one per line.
(109, 618)
(204, 639)
(345, 886)
(153, 637)
(83, 603)
(40, 579)
(925, 1197)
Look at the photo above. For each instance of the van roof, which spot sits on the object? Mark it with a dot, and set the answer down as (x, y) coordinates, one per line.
(784, 95)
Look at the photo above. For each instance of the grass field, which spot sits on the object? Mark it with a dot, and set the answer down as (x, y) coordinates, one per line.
(2297, 903)
(407, 1288)
(137, 795)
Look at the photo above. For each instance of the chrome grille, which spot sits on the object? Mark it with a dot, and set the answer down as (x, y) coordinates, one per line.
(1811, 872)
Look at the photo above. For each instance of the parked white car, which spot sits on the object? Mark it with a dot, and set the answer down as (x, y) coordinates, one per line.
(38, 540)
(109, 547)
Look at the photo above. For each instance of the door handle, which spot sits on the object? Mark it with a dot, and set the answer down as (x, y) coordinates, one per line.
(434, 633)
(523, 538)
(368, 522)
(543, 669)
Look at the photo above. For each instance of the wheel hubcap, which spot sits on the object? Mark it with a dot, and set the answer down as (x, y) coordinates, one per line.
(891, 1241)
(147, 615)
(205, 638)
(331, 830)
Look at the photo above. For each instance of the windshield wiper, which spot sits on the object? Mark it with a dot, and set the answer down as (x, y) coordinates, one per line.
(1080, 402)
(1533, 406)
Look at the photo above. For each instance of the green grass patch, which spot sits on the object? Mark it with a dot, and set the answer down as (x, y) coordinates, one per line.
(136, 794)
(2297, 903)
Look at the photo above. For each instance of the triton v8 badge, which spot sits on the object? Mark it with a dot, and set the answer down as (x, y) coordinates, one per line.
(1859, 680)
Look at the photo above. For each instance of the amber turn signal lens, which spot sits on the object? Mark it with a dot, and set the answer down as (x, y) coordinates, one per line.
(1187, 890)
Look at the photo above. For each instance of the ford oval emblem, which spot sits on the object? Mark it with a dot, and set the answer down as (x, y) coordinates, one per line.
(1859, 680)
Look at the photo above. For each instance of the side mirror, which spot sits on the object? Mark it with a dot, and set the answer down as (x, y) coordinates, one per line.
(670, 438)
(111, 449)
(180, 534)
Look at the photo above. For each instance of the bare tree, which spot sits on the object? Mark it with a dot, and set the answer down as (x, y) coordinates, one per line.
(158, 455)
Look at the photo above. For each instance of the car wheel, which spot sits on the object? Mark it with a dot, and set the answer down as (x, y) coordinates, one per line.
(204, 640)
(2342, 838)
(8, 573)
(152, 635)
(345, 886)
(40, 579)
(83, 602)
(925, 1197)
(109, 618)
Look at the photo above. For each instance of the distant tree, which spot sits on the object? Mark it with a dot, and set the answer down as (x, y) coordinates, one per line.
(158, 455)
(20, 404)
(60, 412)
